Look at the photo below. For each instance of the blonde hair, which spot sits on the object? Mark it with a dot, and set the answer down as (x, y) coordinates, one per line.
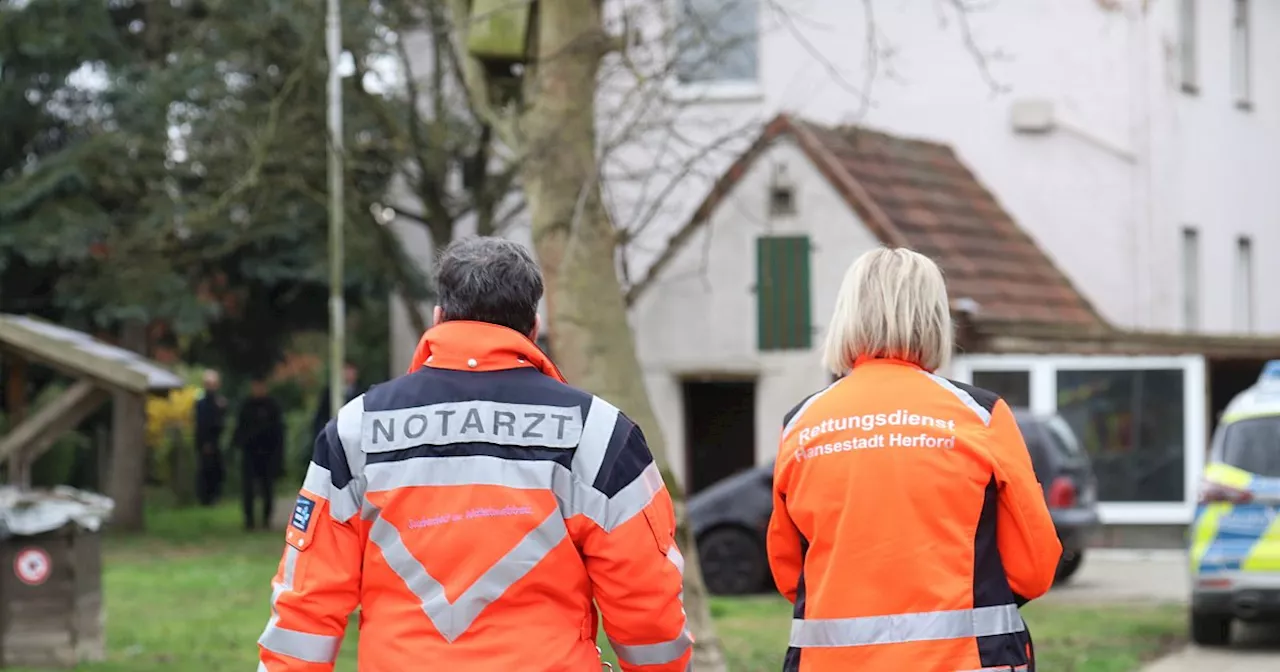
(892, 303)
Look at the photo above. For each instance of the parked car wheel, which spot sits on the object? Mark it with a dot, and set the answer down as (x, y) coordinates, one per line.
(733, 563)
(1210, 629)
(1070, 564)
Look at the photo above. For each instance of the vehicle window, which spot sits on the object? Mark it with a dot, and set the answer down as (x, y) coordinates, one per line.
(1041, 460)
(1254, 445)
(1065, 443)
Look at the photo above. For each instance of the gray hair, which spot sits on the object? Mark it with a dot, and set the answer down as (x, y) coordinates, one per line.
(892, 303)
(488, 279)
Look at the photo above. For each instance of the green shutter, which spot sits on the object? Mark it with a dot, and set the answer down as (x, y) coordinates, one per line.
(782, 293)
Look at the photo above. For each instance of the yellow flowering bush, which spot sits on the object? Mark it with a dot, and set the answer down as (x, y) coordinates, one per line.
(168, 417)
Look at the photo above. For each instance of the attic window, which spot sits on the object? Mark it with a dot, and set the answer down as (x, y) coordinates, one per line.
(782, 200)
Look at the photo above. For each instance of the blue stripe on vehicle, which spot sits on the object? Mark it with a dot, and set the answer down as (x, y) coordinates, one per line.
(1239, 531)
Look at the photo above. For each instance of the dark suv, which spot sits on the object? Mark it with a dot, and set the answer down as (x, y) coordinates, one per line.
(730, 518)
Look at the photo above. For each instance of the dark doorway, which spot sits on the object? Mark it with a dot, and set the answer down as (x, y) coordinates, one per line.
(1227, 378)
(719, 430)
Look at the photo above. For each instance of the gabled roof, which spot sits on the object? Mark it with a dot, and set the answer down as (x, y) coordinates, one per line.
(918, 194)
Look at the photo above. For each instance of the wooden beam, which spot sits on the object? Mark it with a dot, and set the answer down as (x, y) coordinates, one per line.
(54, 419)
(68, 358)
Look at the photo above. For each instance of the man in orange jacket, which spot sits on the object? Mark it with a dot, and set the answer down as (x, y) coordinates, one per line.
(475, 508)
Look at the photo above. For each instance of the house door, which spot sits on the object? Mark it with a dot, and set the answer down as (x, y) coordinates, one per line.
(719, 430)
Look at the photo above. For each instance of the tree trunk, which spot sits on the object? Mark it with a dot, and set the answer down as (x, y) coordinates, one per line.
(129, 448)
(576, 245)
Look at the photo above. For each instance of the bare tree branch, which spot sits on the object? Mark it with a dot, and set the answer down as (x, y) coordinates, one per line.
(980, 57)
(832, 70)
(689, 167)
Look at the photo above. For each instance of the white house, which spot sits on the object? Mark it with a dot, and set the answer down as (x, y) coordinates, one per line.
(1135, 140)
(1094, 177)
(1132, 141)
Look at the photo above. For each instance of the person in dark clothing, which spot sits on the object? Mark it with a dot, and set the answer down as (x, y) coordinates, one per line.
(259, 436)
(211, 412)
(324, 410)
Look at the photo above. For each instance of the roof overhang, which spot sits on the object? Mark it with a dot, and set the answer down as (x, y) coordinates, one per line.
(82, 356)
(990, 337)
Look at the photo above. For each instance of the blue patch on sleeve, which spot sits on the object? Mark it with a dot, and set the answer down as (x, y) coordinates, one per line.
(302, 513)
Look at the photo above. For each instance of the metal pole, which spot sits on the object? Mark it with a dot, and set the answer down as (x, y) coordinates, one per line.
(337, 308)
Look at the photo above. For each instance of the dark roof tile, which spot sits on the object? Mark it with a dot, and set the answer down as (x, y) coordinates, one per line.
(920, 194)
(935, 204)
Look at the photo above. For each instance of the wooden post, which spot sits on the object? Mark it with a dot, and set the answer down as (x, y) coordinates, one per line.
(102, 451)
(128, 443)
(16, 398)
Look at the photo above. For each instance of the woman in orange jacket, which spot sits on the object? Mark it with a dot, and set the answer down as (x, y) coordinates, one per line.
(908, 525)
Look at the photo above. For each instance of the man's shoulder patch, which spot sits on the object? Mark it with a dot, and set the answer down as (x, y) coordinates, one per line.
(302, 513)
(300, 532)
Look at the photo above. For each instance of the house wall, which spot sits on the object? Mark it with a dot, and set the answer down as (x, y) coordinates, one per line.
(699, 319)
(1134, 158)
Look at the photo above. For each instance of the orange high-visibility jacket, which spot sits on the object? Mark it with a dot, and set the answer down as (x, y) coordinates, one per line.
(473, 510)
(908, 526)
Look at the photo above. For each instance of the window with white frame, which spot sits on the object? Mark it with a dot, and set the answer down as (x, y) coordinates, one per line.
(1244, 284)
(1187, 44)
(717, 41)
(1190, 278)
(1240, 71)
(1142, 421)
(1014, 386)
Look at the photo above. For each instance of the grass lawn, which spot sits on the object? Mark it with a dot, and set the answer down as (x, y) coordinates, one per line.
(192, 596)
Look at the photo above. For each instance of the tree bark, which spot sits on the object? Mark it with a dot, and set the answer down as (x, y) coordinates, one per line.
(576, 244)
(129, 448)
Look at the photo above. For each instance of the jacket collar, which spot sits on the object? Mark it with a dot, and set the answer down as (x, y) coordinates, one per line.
(464, 345)
(863, 360)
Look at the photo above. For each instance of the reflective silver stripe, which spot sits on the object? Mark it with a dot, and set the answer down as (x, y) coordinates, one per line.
(596, 434)
(674, 555)
(804, 407)
(483, 421)
(1000, 668)
(467, 470)
(982, 413)
(262, 667)
(665, 652)
(300, 645)
(453, 619)
(654, 654)
(627, 503)
(348, 426)
(319, 481)
(900, 628)
(677, 559)
(575, 497)
(290, 567)
(278, 588)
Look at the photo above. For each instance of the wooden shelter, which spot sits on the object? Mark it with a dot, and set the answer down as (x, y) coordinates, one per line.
(52, 599)
(99, 370)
